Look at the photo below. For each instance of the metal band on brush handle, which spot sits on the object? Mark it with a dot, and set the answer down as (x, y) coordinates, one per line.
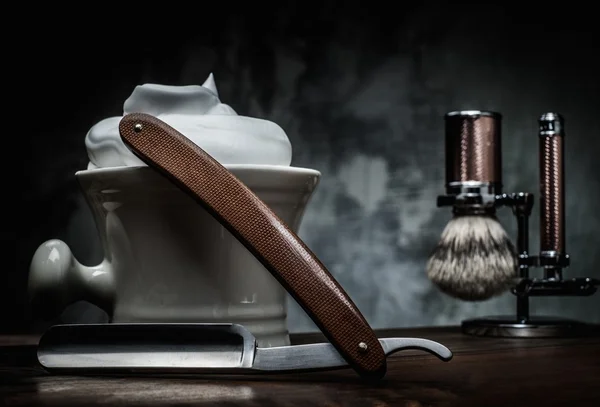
(267, 237)
(473, 151)
(552, 188)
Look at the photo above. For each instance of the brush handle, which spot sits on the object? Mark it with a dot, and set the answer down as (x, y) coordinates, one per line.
(266, 236)
(552, 184)
(473, 148)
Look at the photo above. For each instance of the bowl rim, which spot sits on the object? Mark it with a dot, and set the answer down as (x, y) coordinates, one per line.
(234, 168)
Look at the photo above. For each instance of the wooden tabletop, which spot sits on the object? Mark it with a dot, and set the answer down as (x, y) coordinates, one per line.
(483, 372)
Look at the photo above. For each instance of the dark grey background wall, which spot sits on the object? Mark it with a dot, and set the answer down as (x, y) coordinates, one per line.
(361, 92)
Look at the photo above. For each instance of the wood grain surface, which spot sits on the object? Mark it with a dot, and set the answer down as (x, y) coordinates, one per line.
(484, 372)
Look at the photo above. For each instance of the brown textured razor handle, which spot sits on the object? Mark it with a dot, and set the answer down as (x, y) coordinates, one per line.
(267, 237)
(552, 184)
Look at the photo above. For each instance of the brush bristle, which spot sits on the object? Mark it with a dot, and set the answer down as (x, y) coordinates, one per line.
(475, 259)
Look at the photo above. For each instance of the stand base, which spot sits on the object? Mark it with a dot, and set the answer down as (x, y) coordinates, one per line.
(535, 327)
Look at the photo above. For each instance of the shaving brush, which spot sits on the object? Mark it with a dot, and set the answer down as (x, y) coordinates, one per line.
(475, 259)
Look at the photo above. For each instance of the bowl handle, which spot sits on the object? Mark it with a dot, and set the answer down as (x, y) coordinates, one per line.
(57, 279)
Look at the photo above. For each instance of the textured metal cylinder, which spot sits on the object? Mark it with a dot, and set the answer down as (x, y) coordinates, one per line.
(552, 189)
(473, 148)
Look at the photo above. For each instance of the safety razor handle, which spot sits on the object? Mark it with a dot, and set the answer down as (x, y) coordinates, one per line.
(262, 232)
(552, 184)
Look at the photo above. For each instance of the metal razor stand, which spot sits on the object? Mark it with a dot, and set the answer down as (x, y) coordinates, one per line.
(552, 257)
